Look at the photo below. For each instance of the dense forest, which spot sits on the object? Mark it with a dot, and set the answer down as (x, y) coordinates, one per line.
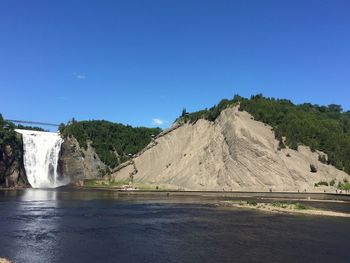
(112, 141)
(324, 128)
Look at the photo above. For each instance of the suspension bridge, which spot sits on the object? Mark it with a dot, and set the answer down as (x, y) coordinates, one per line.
(34, 123)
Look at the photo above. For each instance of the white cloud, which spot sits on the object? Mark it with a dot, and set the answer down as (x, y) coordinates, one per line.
(79, 76)
(156, 121)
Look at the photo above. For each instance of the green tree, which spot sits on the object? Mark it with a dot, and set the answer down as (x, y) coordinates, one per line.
(112, 141)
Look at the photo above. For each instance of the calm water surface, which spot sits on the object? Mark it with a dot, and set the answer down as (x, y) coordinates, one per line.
(100, 226)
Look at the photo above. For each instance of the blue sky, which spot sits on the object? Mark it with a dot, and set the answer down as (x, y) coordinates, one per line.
(135, 61)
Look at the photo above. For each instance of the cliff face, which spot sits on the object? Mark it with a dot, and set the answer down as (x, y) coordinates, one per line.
(12, 172)
(233, 153)
(77, 163)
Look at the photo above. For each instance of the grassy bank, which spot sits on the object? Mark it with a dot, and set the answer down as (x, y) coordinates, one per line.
(120, 185)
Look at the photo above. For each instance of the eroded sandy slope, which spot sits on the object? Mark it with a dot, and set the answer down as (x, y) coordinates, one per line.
(233, 153)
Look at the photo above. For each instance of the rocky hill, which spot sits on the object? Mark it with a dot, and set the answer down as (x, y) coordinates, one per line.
(91, 149)
(231, 152)
(79, 163)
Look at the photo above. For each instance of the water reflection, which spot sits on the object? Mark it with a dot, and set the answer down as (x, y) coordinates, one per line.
(36, 222)
(39, 195)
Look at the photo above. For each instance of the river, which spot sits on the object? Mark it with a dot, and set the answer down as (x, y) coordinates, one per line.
(102, 226)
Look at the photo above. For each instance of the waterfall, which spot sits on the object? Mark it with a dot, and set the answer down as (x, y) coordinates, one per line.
(41, 153)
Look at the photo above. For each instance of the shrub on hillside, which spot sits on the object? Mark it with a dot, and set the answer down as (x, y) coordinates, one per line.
(313, 168)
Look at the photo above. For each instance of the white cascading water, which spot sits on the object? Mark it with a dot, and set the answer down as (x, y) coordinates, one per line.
(41, 153)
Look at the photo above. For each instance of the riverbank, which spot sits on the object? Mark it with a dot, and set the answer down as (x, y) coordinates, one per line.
(220, 195)
(231, 194)
(282, 207)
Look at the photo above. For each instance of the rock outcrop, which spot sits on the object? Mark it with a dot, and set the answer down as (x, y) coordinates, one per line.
(78, 163)
(233, 153)
(12, 172)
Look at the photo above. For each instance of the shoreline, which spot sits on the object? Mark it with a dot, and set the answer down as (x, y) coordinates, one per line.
(272, 202)
(291, 196)
(287, 195)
